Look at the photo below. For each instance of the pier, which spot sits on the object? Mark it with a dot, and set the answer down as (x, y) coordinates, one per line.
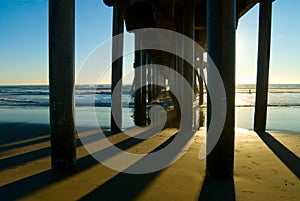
(242, 165)
(212, 24)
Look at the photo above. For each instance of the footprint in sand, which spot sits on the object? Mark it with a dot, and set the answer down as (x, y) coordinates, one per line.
(248, 192)
(257, 177)
(249, 168)
(291, 183)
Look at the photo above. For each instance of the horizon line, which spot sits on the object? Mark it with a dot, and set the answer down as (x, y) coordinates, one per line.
(44, 84)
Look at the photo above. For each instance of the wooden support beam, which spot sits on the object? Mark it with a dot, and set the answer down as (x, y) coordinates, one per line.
(61, 78)
(200, 66)
(221, 28)
(201, 91)
(149, 76)
(201, 85)
(264, 43)
(201, 100)
(144, 89)
(188, 71)
(139, 79)
(137, 93)
(117, 67)
(179, 70)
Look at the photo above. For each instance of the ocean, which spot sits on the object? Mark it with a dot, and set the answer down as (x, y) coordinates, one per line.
(38, 96)
(280, 95)
(30, 103)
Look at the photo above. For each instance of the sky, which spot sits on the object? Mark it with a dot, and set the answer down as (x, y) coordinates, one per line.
(24, 40)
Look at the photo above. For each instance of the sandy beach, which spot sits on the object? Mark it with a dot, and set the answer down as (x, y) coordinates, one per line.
(26, 170)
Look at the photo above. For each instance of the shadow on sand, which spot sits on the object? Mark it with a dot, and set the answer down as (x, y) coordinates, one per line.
(216, 190)
(18, 132)
(120, 187)
(124, 186)
(291, 160)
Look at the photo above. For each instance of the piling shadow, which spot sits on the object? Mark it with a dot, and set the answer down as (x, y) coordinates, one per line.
(31, 155)
(216, 190)
(27, 143)
(125, 187)
(124, 182)
(24, 158)
(291, 160)
(16, 132)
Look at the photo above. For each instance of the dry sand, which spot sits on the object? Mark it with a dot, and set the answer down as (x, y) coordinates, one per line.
(25, 171)
(289, 139)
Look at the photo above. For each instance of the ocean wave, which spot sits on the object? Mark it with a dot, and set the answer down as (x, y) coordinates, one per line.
(27, 93)
(279, 96)
(284, 92)
(108, 104)
(7, 100)
(24, 93)
(46, 104)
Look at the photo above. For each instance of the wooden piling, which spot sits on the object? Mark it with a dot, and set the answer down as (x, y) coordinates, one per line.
(144, 89)
(117, 67)
(188, 71)
(149, 77)
(61, 80)
(139, 79)
(200, 79)
(221, 28)
(261, 101)
(200, 66)
(179, 69)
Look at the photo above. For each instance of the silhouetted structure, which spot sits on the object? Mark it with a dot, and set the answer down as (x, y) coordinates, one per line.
(212, 24)
(61, 78)
(264, 42)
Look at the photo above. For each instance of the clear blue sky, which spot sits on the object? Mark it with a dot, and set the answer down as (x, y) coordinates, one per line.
(24, 40)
